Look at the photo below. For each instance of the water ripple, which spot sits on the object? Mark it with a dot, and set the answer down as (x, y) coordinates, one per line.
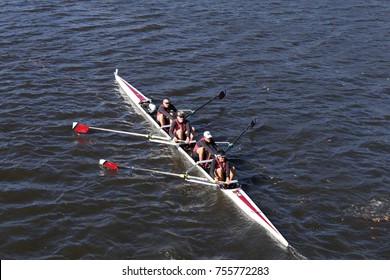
(314, 75)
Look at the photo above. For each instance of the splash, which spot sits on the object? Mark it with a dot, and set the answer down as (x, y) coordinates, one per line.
(376, 210)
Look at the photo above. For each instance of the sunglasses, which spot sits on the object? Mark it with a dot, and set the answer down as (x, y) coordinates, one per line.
(167, 103)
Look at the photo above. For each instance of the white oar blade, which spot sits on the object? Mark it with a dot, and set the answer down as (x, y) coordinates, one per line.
(79, 127)
(108, 164)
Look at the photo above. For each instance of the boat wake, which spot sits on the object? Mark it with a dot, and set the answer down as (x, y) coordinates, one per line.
(295, 254)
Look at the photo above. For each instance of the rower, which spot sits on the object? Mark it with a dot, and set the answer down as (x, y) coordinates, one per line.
(221, 169)
(205, 147)
(181, 129)
(166, 112)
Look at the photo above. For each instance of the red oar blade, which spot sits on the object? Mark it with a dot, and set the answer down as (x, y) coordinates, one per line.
(108, 164)
(80, 128)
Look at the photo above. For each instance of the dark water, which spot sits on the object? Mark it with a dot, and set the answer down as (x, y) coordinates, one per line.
(315, 74)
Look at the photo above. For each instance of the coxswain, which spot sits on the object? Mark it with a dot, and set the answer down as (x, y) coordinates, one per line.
(166, 112)
(205, 147)
(221, 169)
(181, 129)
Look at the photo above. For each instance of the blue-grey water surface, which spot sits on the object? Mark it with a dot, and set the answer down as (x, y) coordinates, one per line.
(314, 74)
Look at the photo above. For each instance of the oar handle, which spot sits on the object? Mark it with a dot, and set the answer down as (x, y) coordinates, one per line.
(203, 161)
(171, 142)
(209, 183)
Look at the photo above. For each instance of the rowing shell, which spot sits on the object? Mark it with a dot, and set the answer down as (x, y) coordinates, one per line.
(237, 195)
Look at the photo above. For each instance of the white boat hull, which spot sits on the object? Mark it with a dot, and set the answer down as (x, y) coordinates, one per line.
(237, 195)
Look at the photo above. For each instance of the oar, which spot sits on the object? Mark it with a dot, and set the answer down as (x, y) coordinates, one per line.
(220, 96)
(199, 162)
(224, 142)
(250, 126)
(83, 128)
(179, 143)
(113, 166)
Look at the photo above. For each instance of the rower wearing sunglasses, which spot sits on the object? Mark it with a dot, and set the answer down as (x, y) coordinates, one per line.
(181, 129)
(166, 112)
(221, 169)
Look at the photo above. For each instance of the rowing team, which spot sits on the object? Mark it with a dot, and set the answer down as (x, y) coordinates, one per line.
(180, 130)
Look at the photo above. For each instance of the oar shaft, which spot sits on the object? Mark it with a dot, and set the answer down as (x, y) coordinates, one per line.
(220, 96)
(128, 133)
(118, 131)
(193, 112)
(180, 175)
(158, 172)
(171, 142)
(114, 166)
(251, 125)
(209, 183)
(199, 162)
(188, 178)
